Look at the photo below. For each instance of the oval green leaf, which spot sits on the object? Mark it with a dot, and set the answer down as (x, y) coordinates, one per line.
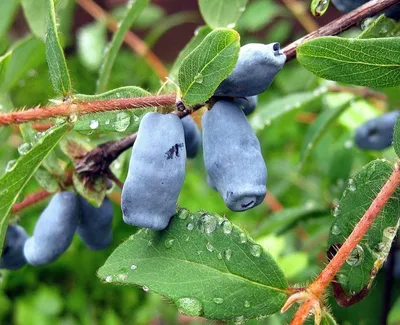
(203, 263)
(222, 13)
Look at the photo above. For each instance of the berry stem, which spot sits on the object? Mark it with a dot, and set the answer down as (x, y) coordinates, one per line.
(31, 199)
(341, 24)
(319, 286)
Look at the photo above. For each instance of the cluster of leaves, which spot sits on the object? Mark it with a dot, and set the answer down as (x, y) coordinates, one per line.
(203, 263)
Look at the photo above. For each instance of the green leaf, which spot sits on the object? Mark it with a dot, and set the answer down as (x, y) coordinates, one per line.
(204, 264)
(284, 220)
(319, 7)
(380, 27)
(222, 13)
(208, 65)
(36, 14)
(4, 61)
(30, 51)
(394, 315)
(198, 37)
(264, 115)
(58, 69)
(94, 192)
(320, 127)
(126, 121)
(14, 180)
(92, 40)
(8, 9)
(396, 137)
(372, 251)
(133, 10)
(364, 62)
(327, 319)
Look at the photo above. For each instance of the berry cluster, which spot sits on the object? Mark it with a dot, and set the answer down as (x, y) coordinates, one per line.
(349, 5)
(377, 133)
(232, 154)
(66, 214)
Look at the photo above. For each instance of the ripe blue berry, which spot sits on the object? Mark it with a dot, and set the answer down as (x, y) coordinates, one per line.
(95, 224)
(254, 71)
(192, 136)
(349, 5)
(156, 172)
(12, 257)
(54, 229)
(377, 133)
(232, 156)
(247, 104)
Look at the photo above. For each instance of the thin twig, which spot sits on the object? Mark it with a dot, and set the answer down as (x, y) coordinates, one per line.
(359, 91)
(81, 108)
(317, 289)
(273, 203)
(299, 10)
(31, 199)
(341, 24)
(131, 39)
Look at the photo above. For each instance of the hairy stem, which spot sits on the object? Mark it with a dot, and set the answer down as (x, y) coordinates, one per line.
(341, 24)
(81, 108)
(319, 286)
(133, 41)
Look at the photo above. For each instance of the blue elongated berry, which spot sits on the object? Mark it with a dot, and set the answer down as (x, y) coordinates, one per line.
(349, 5)
(377, 133)
(192, 136)
(54, 229)
(254, 71)
(12, 257)
(247, 104)
(156, 172)
(232, 156)
(95, 228)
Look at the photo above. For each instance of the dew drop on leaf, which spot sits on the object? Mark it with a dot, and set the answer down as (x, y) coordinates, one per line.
(336, 211)
(219, 256)
(255, 250)
(133, 267)
(190, 226)
(123, 277)
(123, 120)
(356, 256)
(228, 254)
(218, 301)
(243, 238)
(183, 214)
(227, 227)
(94, 124)
(336, 230)
(199, 78)
(209, 247)
(247, 304)
(231, 25)
(207, 223)
(24, 148)
(240, 320)
(190, 306)
(10, 165)
(109, 278)
(169, 242)
(352, 186)
(145, 288)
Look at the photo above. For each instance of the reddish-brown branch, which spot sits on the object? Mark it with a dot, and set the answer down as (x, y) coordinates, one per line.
(133, 41)
(66, 109)
(31, 199)
(341, 24)
(272, 202)
(317, 289)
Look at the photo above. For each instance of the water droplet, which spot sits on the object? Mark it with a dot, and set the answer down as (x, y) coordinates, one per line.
(247, 304)
(218, 301)
(242, 9)
(123, 120)
(199, 78)
(228, 254)
(24, 148)
(183, 214)
(367, 23)
(255, 250)
(133, 267)
(336, 230)
(190, 306)
(169, 242)
(356, 256)
(145, 288)
(239, 320)
(190, 226)
(243, 238)
(10, 165)
(109, 278)
(107, 122)
(207, 223)
(73, 117)
(227, 227)
(231, 25)
(209, 247)
(94, 124)
(336, 211)
(123, 277)
(348, 144)
(352, 185)
(321, 7)
(219, 256)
